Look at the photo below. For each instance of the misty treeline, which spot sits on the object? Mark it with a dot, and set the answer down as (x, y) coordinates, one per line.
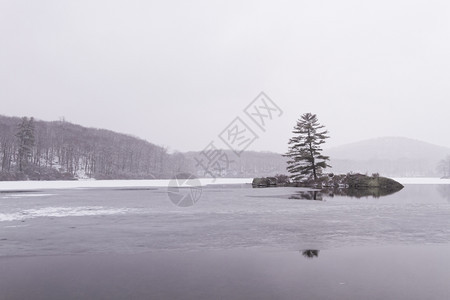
(39, 150)
(444, 167)
(247, 164)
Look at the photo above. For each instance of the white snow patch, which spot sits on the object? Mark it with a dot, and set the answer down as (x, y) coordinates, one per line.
(38, 185)
(63, 212)
(422, 180)
(21, 195)
(206, 181)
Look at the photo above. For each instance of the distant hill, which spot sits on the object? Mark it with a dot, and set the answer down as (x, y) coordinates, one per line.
(62, 150)
(40, 150)
(390, 156)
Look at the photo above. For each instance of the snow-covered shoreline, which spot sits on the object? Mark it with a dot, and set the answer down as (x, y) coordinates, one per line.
(44, 185)
(422, 180)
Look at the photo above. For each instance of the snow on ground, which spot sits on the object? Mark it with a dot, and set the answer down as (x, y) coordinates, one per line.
(422, 180)
(44, 185)
(21, 195)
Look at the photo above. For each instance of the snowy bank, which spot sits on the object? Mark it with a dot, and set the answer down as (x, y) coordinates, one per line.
(422, 180)
(44, 185)
(74, 184)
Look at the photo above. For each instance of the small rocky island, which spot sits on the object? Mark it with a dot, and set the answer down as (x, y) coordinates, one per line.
(306, 165)
(351, 184)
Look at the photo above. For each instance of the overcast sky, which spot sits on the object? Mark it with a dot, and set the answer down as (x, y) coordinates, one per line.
(176, 73)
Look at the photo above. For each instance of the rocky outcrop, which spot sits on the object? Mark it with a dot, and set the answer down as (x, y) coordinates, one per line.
(264, 182)
(360, 181)
(352, 184)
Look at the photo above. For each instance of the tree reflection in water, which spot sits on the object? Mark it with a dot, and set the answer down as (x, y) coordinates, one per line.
(321, 195)
(444, 190)
(310, 253)
(307, 195)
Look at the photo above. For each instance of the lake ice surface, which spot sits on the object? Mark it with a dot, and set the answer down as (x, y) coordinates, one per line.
(236, 242)
(133, 220)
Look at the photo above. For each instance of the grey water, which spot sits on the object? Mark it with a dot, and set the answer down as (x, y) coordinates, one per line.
(234, 243)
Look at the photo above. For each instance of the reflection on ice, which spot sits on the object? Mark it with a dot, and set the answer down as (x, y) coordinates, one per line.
(444, 190)
(307, 195)
(310, 253)
(321, 195)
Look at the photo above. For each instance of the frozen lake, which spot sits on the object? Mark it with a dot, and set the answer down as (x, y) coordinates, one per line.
(235, 242)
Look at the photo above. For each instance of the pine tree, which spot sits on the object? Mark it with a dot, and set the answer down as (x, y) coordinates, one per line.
(25, 139)
(305, 153)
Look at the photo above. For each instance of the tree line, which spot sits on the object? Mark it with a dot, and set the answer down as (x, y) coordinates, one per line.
(444, 167)
(38, 150)
(59, 150)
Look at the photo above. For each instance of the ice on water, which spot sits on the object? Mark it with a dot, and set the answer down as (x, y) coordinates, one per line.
(227, 216)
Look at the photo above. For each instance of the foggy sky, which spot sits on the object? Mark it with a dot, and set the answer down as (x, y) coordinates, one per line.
(178, 72)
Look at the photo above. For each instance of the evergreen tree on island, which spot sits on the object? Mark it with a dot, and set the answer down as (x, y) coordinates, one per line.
(306, 160)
